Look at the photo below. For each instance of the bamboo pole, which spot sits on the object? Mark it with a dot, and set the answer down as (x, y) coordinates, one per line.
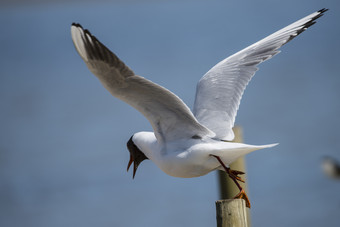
(231, 213)
(227, 188)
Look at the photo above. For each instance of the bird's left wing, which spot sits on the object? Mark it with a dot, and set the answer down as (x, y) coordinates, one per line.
(220, 90)
(169, 116)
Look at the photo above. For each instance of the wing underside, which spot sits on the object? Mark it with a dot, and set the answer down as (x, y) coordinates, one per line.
(170, 118)
(220, 90)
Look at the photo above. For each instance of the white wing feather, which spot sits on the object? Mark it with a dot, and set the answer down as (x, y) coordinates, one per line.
(170, 118)
(219, 91)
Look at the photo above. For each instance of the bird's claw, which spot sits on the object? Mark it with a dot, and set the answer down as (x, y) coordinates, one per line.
(242, 195)
(234, 174)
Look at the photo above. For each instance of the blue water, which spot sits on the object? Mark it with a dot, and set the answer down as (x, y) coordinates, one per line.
(63, 137)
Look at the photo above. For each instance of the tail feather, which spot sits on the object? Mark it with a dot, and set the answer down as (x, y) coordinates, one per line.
(231, 154)
(268, 145)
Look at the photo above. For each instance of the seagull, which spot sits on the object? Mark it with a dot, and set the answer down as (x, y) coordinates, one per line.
(184, 143)
(331, 167)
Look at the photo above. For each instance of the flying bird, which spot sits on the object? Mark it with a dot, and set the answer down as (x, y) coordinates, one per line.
(331, 167)
(184, 143)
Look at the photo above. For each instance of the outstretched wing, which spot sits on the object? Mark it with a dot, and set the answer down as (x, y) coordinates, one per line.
(170, 118)
(219, 91)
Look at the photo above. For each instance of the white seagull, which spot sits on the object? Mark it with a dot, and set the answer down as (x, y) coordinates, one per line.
(186, 144)
(331, 167)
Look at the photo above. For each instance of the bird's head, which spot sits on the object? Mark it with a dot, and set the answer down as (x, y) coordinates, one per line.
(136, 156)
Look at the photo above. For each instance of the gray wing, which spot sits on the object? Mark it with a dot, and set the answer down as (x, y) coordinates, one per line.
(219, 91)
(170, 118)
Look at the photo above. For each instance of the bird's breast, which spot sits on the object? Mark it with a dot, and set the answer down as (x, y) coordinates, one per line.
(187, 166)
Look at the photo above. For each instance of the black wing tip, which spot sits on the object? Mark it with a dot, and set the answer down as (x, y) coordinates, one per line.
(86, 31)
(77, 25)
(312, 20)
(323, 10)
(94, 48)
(321, 13)
(308, 23)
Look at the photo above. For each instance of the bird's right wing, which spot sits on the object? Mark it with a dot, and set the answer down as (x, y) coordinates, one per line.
(220, 90)
(170, 118)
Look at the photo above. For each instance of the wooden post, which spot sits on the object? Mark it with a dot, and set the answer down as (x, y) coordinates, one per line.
(227, 187)
(231, 213)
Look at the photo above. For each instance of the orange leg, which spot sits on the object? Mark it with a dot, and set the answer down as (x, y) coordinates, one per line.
(233, 174)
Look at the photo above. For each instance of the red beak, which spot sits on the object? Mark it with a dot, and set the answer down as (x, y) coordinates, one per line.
(136, 156)
(134, 166)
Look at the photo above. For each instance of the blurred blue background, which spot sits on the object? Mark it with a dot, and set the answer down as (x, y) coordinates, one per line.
(63, 153)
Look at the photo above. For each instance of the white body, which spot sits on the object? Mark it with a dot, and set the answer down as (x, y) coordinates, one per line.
(191, 158)
(182, 142)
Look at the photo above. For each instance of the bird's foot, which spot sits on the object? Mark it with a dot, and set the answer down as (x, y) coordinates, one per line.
(242, 195)
(234, 174)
